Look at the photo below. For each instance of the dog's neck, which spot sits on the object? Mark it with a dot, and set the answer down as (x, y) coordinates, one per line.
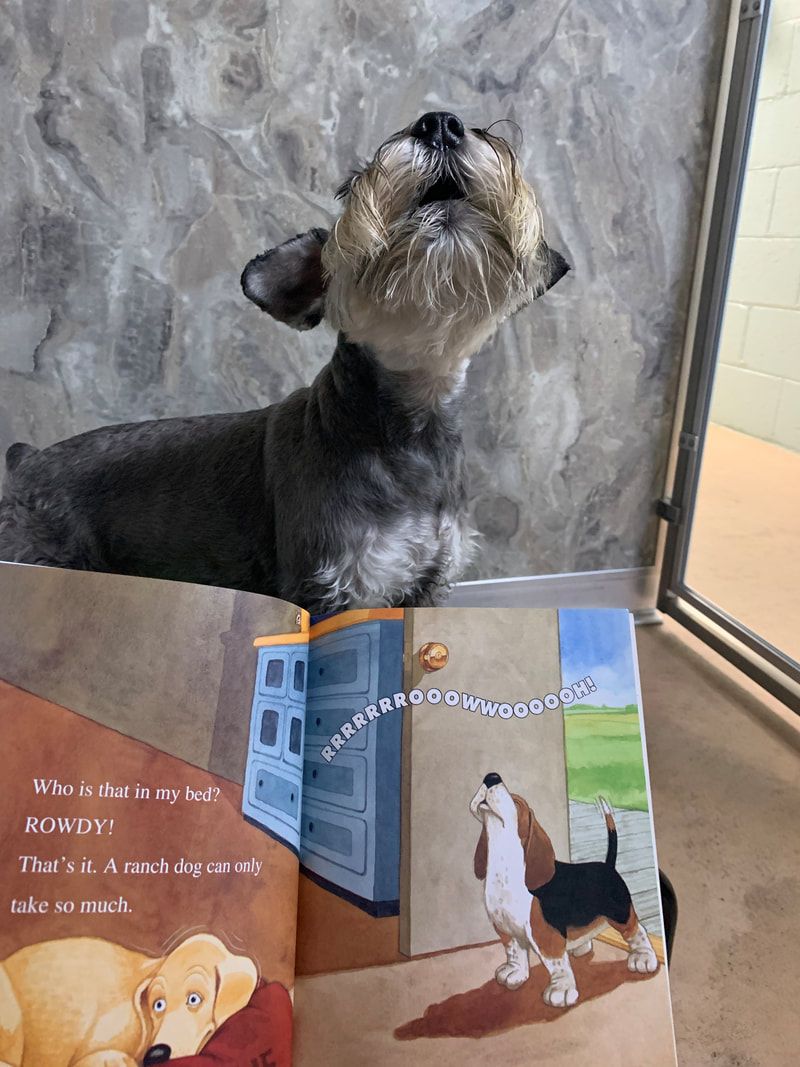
(505, 857)
(429, 358)
(495, 829)
(396, 404)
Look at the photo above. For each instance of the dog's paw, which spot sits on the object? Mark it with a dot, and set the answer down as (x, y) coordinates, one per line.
(582, 950)
(643, 961)
(561, 993)
(511, 975)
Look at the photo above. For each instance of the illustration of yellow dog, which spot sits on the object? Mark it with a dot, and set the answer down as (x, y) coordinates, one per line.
(86, 1002)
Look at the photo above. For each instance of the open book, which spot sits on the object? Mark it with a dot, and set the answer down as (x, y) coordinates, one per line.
(234, 835)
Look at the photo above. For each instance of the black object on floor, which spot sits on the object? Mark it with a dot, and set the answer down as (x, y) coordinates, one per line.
(669, 907)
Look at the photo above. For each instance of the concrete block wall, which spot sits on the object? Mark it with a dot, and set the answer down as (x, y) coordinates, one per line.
(757, 387)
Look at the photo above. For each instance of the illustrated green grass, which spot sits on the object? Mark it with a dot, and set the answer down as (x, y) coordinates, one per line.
(604, 755)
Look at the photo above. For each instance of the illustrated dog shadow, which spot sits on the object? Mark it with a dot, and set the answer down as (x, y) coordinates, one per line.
(493, 1009)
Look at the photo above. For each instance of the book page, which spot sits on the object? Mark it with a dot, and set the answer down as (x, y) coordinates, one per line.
(478, 870)
(147, 916)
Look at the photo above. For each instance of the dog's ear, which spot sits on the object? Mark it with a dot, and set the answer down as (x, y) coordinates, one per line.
(481, 859)
(537, 848)
(557, 267)
(287, 282)
(552, 268)
(236, 980)
(141, 1010)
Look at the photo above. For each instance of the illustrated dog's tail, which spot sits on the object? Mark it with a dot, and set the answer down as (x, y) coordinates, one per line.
(611, 826)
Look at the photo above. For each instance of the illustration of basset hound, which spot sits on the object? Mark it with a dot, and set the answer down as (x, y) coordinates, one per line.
(537, 902)
(87, 1002)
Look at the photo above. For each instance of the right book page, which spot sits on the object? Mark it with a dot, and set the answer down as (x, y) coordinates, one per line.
(477, 851)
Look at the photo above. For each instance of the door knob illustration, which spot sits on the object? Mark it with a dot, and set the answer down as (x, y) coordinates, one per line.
(433, 656)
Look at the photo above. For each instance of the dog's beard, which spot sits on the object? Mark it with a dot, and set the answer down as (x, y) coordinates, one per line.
(445, 259)
(449, 237)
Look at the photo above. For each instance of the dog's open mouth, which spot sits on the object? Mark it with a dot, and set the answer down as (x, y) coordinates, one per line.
(444, 188)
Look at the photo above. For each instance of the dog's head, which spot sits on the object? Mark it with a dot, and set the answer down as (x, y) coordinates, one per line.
(439, 240)
(199, 985)
(495, 807)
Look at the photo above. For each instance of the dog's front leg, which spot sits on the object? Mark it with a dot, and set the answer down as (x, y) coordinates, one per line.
(550, 946)
(516, 970)
(561, 991)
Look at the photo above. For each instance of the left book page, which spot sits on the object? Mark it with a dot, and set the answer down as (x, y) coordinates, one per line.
(146, 914)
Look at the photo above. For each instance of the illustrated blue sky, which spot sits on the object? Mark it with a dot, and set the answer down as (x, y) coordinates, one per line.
(598, 643)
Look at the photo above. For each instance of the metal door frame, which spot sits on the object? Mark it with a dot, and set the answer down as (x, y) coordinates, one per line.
(762, 661)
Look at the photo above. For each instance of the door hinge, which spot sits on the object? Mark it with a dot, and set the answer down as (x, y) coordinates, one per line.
(750, 9)
(689, 442)
(668, 511)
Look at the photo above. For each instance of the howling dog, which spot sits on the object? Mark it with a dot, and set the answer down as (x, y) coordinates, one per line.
(537, 903)
(350, 492)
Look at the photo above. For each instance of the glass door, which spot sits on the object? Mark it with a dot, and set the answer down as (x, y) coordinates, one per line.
(731, 569)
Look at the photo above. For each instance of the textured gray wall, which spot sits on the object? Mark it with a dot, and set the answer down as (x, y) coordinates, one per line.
(149, 149)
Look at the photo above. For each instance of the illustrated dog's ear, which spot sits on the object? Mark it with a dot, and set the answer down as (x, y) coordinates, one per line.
(287, 282)
(140, 1009)
(481, 855)
(236, 979)
(538, 853)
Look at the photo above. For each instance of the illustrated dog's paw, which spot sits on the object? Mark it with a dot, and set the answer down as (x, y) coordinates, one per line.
(560, 993)
(511, 975)
(643, 961)
(582, 950)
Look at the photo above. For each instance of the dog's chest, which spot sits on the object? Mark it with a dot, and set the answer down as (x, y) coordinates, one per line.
(391, 561)
(507, 898)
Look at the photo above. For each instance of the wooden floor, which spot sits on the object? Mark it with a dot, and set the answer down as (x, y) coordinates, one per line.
(588, 840)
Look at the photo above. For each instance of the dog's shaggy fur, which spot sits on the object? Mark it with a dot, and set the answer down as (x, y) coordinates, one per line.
(350, 492)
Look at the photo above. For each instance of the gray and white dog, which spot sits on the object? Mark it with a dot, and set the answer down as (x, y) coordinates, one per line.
(350, 492)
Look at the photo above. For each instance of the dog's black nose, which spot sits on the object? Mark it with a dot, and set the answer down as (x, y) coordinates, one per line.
(492, 778)
(439, 129)
(157, 1054)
